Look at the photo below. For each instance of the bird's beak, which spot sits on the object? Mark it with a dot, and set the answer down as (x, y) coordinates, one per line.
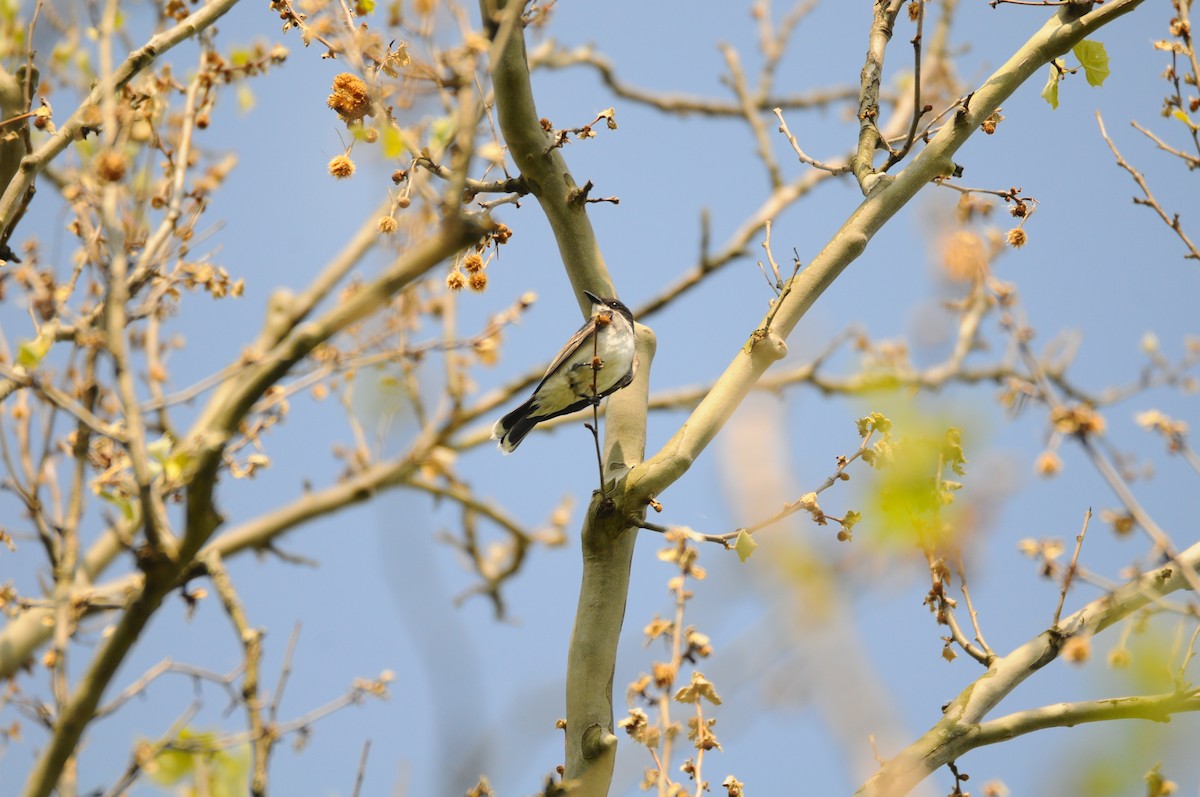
(595, 299)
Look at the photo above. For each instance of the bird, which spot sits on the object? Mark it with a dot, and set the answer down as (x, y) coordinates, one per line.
(598, 360)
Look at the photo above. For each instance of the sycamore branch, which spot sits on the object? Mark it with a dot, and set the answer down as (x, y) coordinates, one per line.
(607, 539)
(962, 729)
(205, 445)
(30, 630)
(551, 55)
(868, 101)
(1056, 37)
(1155, 708)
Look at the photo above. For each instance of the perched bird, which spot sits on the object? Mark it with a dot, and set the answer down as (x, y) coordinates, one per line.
(597, 360)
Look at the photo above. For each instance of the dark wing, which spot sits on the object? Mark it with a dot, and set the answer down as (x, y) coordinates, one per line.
(574, 343)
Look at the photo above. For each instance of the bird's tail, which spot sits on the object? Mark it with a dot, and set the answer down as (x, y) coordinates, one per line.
(512, 428)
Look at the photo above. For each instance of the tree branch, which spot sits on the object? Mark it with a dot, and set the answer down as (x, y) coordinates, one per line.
(136, 61)
(958, 731)
(205, 445)
(607, 539)
(1056, 37)
(1156, 708)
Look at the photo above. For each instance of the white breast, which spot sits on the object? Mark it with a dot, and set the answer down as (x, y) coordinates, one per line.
(615, 349)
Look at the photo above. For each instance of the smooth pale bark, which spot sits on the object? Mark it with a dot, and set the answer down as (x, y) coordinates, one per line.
(607, 540)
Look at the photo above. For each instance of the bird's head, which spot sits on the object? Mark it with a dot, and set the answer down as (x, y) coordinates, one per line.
(602, 303)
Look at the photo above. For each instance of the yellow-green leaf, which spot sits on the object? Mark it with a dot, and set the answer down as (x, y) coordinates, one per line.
(224, 773)
(875, 422)
(1094, 59)
(175, 465)
(31, 352)
(245, 98)
(1050, 92)
(1183, 117)
(393, 143)
(171, 766)
(744, 545)
(119, 501)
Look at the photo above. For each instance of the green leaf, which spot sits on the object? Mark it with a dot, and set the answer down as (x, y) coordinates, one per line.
(744, 545)
(875, 422)
(952, 453)
(1094, 59)
(31, 352)
(1050, 92)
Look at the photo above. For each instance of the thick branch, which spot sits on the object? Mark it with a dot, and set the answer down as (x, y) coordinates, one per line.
(608, 540)
(1155, 708)
(868, 100)
(25, 634)
(78, 712)
(542, 167)
(1055, 38)
(608, 543)
(206, 443)
(960, 730)
(234, 399)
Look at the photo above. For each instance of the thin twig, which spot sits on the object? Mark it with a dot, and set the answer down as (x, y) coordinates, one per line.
(994, 3)
(1070, 574)
(1181, 677)
(549, 55)
(842, 168)
(778, 282)
(1191, 160)
(1162, 541)
(981, 655)
(1149, 199)
(156, 524)
(737, 80)
(261, 739)
(919, 109)
(64, 402)
(285, 671)
(966, 593)
(803, 502)
(130, 776)
(362, 769)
